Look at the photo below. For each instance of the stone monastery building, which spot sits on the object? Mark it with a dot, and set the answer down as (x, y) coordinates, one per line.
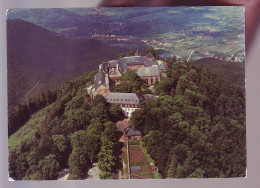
(129, 102)
(146, 67)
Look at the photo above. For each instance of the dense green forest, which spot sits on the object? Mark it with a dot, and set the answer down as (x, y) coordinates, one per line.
(196, 127)
(72, 131)
(233, 72)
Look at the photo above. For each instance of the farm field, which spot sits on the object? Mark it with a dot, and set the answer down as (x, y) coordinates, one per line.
(139, 164)
(137, 157)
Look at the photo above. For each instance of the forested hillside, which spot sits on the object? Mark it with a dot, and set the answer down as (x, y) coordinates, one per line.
(40, 59)
(71, 131)
(196, 127)
(233, 72)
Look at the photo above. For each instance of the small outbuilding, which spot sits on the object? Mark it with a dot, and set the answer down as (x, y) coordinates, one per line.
(132, 133)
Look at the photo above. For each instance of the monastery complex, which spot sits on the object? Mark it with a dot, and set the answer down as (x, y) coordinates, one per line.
(146, 67)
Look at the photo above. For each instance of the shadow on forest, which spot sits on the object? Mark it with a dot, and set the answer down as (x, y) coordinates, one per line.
(118, 152)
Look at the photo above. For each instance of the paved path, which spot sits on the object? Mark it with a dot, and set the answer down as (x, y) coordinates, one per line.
(121, 125)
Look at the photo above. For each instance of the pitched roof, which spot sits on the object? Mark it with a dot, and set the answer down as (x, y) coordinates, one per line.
(130, 131)
(137, 60)
(108, 64)
(112, 63)
(122, 67)
(148, 71)
(123, 98)
(162, 66)
(114, 73)
(101, 79)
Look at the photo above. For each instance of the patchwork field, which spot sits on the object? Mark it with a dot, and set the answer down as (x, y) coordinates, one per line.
(139, 164)
(137, 157)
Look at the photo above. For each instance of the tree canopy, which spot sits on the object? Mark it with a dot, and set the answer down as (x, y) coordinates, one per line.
(196, 127)
(73, 132)
(129, 83)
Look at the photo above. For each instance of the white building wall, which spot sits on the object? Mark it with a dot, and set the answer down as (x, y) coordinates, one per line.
(128, 111)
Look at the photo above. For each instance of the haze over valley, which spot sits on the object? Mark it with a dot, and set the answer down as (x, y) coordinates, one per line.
(49, 46)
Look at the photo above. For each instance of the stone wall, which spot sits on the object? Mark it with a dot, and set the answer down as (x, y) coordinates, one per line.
(151, 80)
